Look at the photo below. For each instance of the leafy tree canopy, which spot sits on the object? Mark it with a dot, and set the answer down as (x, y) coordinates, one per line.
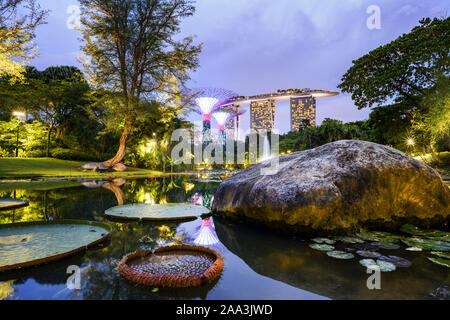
(407, 68)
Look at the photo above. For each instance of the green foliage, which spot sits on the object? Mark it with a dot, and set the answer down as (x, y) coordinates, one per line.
(330, 130)
(406, 69)
(16, 36)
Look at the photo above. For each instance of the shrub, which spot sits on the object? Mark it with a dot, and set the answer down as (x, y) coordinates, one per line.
(69, 154)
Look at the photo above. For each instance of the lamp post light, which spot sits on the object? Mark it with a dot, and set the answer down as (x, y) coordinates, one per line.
(18, 115)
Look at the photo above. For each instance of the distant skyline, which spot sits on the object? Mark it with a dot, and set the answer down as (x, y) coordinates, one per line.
(260, 46)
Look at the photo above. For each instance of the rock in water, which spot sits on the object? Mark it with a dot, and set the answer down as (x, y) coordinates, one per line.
(119, 167)
(94, 166)
(339, 186)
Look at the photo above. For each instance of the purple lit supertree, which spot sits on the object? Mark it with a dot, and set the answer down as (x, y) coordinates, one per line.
(206, 101)
(222, 117)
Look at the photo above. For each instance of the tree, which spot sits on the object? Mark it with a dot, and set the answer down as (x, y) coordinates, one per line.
(59, 93)
(406, 69)
(17, 34)
(132, 50)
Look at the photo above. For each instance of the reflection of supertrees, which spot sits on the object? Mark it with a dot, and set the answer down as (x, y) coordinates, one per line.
(222, 117)
(207, 100)
(206, 236)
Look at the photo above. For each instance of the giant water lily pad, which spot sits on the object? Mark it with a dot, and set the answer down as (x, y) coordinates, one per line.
(427, 244)
(340, 254)
(383, 265)
(10, 204)
(157, 212)
(439, 261)
(321, 247)
(30, 243)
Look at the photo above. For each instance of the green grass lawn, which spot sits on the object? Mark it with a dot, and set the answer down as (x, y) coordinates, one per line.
(21, 168)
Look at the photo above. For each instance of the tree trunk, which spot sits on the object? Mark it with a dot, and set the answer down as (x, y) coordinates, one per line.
(59, 131)
(126, 134)
(49, 134)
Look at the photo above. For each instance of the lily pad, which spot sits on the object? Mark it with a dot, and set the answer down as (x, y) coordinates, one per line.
(427, 244)
(383, 265)
(340, 254)
(378, 236)
(321, 247)
(30, 243)
(414, 249)
(410, 229)
(386, 245)
(351, 240)
(10, 204)
(397, 261)
(445, 255)
(157, 212)
(324, 240)
(442, 262)
(431, 234)
(368, 254)
(366, 246)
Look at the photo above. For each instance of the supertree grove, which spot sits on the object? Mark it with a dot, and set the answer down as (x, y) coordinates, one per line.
(207, 100)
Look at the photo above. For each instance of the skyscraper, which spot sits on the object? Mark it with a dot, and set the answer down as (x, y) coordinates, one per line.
(302, 108)
(232, 125)
(262, 115)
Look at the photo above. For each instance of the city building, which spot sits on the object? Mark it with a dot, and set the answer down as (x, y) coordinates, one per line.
(302, 108)
(262, 115)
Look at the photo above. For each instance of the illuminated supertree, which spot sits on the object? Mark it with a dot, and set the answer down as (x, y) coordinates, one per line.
(222, 117)
(207, 100)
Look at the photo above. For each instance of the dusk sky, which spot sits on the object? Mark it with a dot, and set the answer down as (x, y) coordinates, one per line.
(260, 46)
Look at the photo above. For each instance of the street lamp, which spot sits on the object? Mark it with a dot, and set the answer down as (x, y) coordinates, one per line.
(19, 115)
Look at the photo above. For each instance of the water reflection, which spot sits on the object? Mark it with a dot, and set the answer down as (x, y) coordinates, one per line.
(258, 264)
(291, 261)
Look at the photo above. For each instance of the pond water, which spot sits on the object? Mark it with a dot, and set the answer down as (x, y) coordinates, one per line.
(258, 264)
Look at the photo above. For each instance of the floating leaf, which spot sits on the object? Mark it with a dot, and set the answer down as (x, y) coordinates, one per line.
(383, 265)
(409, 228)
(386, 245)
(155, 289)
(368, 254)
(31, 243)
(397, 261)
(340, 254)
(351, 240)
(378, 236)
(156, 212)
(366, 246)
(324, 240)
(414, 249)
(321, 247)
(431, 234)
(444, 255)
(427, 244)
(442, 262)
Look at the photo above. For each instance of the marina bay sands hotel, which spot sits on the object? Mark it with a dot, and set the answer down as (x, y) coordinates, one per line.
(262, 108)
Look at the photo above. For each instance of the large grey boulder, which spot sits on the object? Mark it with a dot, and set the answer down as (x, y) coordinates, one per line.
(340, 186)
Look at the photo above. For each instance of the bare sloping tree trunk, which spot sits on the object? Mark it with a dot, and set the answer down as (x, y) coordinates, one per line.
(126, 134)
